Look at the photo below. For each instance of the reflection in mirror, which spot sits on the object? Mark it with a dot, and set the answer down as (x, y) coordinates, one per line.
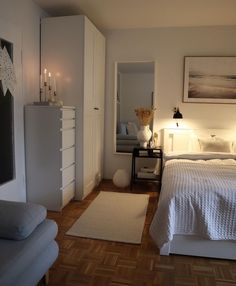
(134, 89)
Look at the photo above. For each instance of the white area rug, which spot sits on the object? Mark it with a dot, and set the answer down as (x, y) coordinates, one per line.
(113, 216)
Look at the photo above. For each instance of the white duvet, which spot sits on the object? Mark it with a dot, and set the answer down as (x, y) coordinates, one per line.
(197, 197)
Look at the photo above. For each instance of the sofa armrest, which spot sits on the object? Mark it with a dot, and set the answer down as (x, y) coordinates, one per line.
(18, 220)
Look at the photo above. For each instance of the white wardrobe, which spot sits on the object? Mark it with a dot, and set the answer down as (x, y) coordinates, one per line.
(73, 50)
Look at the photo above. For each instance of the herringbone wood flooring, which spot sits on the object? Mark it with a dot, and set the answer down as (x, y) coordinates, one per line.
(89, 262)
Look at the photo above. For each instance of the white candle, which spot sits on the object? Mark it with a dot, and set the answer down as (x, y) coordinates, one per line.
(55, 84)
(49, 79)
(45, 75)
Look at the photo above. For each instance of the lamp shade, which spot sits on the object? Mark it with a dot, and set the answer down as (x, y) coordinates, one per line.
(177, 114)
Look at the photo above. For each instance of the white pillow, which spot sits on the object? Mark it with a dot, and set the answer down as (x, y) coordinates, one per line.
(215, 145)
(132, 129)
(122, 128)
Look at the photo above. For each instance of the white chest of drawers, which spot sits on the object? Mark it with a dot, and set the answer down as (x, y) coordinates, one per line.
(50, 155)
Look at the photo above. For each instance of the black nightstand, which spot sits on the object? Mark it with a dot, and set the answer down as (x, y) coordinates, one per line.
(152, 153)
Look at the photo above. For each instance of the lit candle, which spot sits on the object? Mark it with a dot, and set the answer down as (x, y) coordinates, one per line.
(45, 76)
(55, 84)
(49, 79)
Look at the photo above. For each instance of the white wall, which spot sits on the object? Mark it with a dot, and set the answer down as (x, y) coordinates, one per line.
(19, 20)
(167, 46)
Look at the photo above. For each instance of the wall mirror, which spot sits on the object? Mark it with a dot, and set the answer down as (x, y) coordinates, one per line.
(134, 88)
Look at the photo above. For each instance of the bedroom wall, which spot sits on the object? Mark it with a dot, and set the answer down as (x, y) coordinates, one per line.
(167, 46)
(21, 20)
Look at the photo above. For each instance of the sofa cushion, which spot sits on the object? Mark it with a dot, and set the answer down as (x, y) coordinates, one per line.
(18, 220)
(18, 256)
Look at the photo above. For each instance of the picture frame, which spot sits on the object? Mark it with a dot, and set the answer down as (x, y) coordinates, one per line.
(209, 79)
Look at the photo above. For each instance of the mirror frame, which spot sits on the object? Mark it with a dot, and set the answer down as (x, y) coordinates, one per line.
(115, 98)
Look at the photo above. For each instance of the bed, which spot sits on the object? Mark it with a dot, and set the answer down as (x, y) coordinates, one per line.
(196, 212)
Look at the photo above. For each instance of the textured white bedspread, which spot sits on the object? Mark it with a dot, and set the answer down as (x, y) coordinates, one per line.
(197, 197)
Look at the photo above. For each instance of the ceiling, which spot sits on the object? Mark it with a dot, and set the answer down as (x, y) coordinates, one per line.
(125, 14)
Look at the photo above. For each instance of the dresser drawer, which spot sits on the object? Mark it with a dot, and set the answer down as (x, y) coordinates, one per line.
(68, 113)
(68, 193)
(68, 157)
(68, 138)
(68, 123)
(68, 175)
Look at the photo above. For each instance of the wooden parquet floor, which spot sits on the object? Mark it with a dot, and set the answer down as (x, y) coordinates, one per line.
(89, 262)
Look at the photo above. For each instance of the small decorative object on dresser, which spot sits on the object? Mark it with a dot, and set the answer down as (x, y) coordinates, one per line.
(48, 90)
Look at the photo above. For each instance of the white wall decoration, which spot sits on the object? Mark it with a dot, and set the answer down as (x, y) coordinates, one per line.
(7, 72)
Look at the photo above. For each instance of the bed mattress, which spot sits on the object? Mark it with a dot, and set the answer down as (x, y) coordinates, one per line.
(197, 198)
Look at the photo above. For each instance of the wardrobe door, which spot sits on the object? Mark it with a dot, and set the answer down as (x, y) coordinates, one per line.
(88, 67)
(88, 162)
(99, 71)
(99, 90)
(88, 129)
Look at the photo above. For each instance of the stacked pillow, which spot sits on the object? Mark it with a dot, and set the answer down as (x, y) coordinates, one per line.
(215, 144)
(132, 128)
(129, 128)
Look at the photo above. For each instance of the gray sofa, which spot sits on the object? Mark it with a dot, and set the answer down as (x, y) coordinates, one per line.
(126, 137)
(27, 243)
(126, 143)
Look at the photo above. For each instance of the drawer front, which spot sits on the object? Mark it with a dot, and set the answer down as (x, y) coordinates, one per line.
(68, 123)
(68, 113)
(68, 157)
(68, 138)
(68, 193)
(68, 175)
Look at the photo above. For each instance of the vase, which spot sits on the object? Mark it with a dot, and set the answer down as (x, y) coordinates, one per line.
(144, 135)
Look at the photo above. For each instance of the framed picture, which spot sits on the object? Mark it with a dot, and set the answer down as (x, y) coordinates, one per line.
(210, 79)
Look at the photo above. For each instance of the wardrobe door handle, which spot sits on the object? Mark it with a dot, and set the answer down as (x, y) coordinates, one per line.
(96, 108)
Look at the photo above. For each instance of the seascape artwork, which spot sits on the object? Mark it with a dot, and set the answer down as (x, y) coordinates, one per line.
(210, 79)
